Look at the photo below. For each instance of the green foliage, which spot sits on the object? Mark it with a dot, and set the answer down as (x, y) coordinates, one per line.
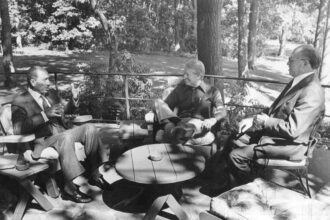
(298, 17)
(58, 22)
(141, 25)
(236, 93)
(100, 89)
(140, 30)
(137, 25)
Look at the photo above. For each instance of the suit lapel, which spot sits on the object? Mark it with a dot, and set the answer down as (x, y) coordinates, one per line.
(291, 92)
(280, 97)
(35, 104)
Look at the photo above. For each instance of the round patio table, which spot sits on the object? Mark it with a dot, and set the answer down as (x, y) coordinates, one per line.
(160, 166)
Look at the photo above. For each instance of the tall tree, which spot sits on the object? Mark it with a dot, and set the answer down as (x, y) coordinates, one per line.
(254, 14)
(282, 39)
(242, 44)
(325, 64)
(112, 41)
(209, 37)
(320, 23)
(288, 18)
(176, 25)
(194, 16)
(7, 61)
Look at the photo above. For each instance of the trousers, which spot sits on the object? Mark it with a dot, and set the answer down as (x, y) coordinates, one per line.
(63, 142)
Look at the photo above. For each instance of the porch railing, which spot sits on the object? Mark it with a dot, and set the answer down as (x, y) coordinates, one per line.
(127, 97)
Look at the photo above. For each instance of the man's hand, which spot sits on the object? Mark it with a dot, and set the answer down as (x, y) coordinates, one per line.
(208, 123)
(245, 124)
(54, 111)
(75, 89)
(259, 120)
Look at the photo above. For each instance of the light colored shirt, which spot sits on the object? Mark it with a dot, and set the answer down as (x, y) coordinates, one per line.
(39, 99)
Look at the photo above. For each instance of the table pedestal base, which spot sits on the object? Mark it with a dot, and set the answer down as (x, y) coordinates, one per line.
(158, 204)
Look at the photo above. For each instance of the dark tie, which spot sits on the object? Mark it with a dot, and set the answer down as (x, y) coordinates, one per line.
(44, 102)
(287, 87)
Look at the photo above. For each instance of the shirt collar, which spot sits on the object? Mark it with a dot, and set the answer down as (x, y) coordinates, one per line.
(36, 95)
(202, 86)
(298, 78)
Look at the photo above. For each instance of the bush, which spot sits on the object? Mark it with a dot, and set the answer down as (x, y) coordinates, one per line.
(100, 90)
(236, 93)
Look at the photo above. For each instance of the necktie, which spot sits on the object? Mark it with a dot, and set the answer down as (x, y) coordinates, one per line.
(45, 104)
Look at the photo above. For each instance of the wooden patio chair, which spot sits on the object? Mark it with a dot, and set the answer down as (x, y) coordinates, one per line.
(297, 168)
(12, 167)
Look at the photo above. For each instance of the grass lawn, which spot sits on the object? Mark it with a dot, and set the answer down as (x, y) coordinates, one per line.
(267, 67)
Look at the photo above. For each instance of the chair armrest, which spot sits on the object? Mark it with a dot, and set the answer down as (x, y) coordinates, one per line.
(282, 163)
(17, 138)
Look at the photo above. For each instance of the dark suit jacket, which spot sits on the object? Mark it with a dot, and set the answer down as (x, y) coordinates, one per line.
(294, 114)
(27, 118)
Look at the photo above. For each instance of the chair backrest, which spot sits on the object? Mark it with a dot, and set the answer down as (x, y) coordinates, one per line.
(314, 137)
(5, 119)
(6, 125)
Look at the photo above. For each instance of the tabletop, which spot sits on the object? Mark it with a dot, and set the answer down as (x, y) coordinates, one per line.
(171, 164)
(10, 161)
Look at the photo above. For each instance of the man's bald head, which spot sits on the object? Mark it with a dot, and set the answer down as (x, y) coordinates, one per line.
(307, 52)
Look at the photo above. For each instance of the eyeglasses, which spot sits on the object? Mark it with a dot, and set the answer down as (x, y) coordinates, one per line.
(291, 60)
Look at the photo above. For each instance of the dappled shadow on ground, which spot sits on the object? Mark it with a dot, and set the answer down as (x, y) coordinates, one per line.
(163, 64)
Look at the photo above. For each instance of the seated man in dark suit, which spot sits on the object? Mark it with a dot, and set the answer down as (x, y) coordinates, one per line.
(40, 111)
(283, 130)
(199, 107)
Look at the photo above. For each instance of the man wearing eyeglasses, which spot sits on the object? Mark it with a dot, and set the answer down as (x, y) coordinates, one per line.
(283, 130)
(198, 107)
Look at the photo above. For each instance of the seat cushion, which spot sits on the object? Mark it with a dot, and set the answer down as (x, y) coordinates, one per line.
(264, 200)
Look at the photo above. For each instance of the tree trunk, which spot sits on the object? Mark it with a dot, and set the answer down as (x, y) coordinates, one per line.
(282, 40)
(176, 27)
(242, 50)
(112, 42)
(320, 18)
(7, 61)
(254, 14)
(194, 16)
(209, 37)
(325, 64)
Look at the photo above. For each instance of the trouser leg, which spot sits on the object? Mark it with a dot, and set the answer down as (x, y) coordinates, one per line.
(64, 144)
(242, 158)
(95, 150)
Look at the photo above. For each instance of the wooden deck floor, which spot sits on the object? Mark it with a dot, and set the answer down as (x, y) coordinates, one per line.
(114, 204)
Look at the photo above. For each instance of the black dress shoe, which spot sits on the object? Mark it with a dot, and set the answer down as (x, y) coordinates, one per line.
(76, 196)
(100, 183)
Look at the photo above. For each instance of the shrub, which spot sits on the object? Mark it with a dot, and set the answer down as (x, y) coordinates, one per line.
(100, 89)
